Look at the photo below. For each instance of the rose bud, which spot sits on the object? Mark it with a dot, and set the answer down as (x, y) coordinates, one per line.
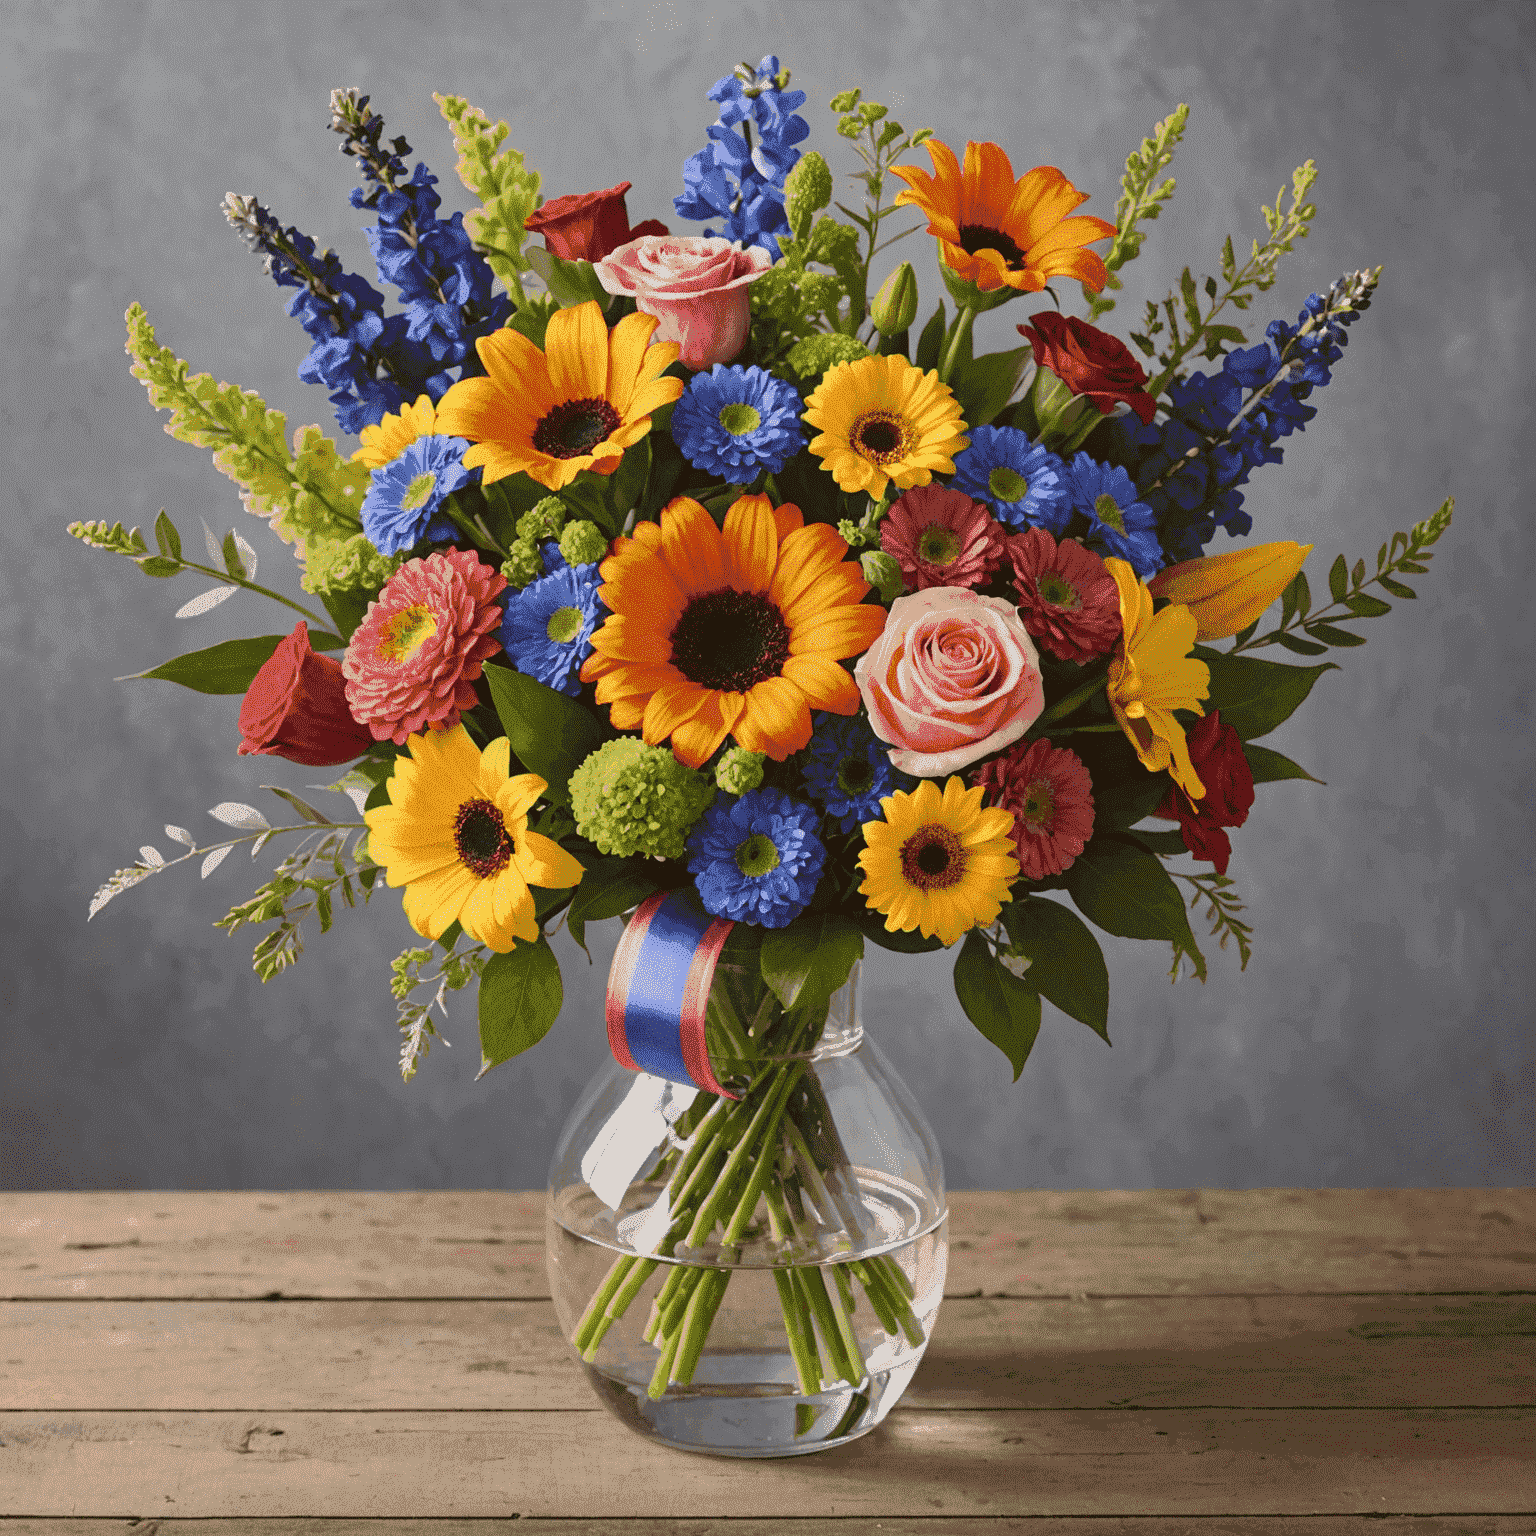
(296, 707)
(586, 226)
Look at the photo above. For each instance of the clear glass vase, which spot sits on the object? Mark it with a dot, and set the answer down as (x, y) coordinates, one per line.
(757, 1277)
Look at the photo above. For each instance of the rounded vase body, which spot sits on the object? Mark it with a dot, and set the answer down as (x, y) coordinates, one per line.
(757, 1277)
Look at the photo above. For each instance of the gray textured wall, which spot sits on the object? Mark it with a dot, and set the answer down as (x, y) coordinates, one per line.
(1380, 1034)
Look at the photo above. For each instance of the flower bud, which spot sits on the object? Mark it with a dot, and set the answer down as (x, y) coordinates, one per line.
(807, 189)
(1227, 592)
(895, 306)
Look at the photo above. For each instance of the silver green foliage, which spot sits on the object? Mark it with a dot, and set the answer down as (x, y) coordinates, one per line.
(408, 973)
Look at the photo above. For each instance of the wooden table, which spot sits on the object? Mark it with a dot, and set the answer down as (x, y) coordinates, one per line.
(1281, 1361)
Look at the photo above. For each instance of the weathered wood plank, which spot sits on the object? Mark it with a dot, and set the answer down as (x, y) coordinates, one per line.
(1250, 1352)
(587, 1465)
(1030, 1243)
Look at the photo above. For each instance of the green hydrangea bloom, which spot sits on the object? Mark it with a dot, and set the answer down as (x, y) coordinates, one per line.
(524, 563)
(582, 543)
(630, 798)
(739, 771)
(544, 522)
(807, 189)
(333, 566)
(813, 355)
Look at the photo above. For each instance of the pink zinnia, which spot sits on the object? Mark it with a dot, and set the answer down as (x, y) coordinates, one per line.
(1051, 796)
(1067, 598)
(413, 661)
(941, 538)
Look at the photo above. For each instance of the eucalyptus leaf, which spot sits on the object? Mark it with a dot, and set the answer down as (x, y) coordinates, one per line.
(520, 998)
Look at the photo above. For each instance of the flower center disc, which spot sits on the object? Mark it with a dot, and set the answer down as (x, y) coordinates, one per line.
(480, 835)
(757, 856)
(738, 418)
(564, 625)
(932, 858)
(1108, 512)
(881, 436)
(405, 633)
(855, 775)
(1055, 589)
(729, 640)
(575, 427)
(1039, 806)
(1007, 484)
(939, 545)
(419, 492)
(977, 237)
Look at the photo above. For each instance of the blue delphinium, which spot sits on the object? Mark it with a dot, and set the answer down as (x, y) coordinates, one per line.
(756, 858)
(405, 497)
(847, 769)
(547, 630)
(1024, 484)
(733, 422)
(739, 177)
(1119, 523)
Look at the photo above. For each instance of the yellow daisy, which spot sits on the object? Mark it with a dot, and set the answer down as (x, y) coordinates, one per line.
(1152, 674)
(385, 442)
(942, 863)
(576, 405)
(883, 420)
(455, 835)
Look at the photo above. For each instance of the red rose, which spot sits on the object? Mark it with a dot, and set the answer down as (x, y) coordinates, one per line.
(1089, 362)
(1217, 753)
(296, 707)
(585, 226)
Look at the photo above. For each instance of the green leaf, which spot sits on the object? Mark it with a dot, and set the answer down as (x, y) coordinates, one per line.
(303, 807)
(985, 385)
(347, 611)
(228, 667)
(1126, 891)
(1066, 963)
(1269, 767)
(626, 485)
(231, 552)
(1303, 594)
(1396, 588)
(1163, 844)
(587, 496)
(1364, 606)
(550, 733)
(805, 962)
(1338, 579)
(911, 942)
(159, 565)
(1124, 792)
(1333, 636)
(1254, 696)
(609, 888)
(520, 998)
(571, 282)
(166, 537)
(1300, 647)
(931, 339)
(1001, 1006)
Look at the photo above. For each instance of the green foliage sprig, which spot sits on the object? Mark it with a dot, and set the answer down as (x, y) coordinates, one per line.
(507, 189)
(1405, 554)
(1256, 275)
(455, 972)
(1141, 197)
(1222, 907)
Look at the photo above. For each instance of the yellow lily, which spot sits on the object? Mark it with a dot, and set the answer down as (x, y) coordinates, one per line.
(1228, 592)
(1152, 674)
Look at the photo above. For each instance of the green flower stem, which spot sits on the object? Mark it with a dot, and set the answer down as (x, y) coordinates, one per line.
(591, 1319)
(663, 1372)
(1079, 696)
(875, 1289)
(802, 1342)
(253, 586)
(844, 1286)
(707, 1296)
(474, 531)
(814, 1290)
(853, 1356)
(955, 343)
(616, 1305)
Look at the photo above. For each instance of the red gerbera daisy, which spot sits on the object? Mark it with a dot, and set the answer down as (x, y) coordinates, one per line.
(941, 538)
(1051, 796)
(413, 661)
(1067, 599)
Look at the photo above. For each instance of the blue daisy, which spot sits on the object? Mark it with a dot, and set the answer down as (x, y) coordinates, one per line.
(847, 769)
(547, 629)
(1118, 523)
(732, 422)
(756, 858)
(1024, 484)
(404, 500)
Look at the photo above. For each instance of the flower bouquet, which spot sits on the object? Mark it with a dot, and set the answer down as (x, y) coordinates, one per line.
(678, 575)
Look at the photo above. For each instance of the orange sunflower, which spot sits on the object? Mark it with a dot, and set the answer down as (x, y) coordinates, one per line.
(576, 405)
(736, 632)
(996, 232)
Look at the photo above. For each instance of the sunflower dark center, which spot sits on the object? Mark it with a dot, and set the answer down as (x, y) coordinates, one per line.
(932, 858)
(1039, 804)
(978, 237)
(880, 436)
(480, 835)
(855, 775)
(729, 640)
(575, 427)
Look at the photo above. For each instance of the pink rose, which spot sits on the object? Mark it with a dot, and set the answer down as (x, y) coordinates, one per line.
(952, 678)
(696, 288)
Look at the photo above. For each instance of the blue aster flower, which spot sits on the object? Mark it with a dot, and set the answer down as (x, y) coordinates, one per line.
(548, 627)
(847, 769)
(404, 500)
(756, 858)
(1024, 484)
(732, 422)
(1119, 523)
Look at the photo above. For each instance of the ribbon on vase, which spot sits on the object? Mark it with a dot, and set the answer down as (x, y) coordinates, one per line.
(658, 989)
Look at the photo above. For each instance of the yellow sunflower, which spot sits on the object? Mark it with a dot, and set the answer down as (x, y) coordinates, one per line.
(1152, 674)
(942, 863)
(385, 442)
(736, 632)
(576, 405)
(996, 232)
(455, 835)
(883, 420)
